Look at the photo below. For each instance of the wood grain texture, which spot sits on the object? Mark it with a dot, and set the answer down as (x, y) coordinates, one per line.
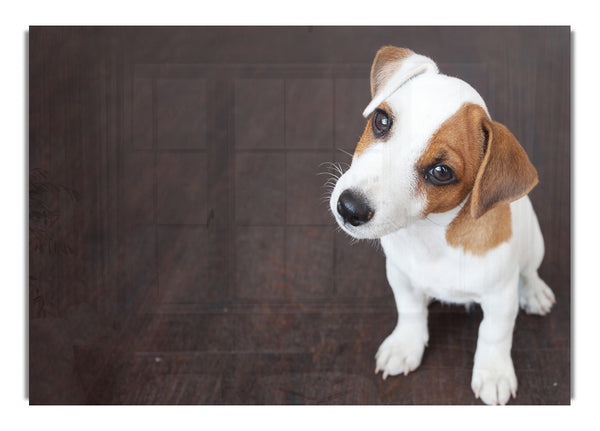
(177, 259)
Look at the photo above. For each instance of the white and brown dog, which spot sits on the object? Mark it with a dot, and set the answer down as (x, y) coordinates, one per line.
(444, 187)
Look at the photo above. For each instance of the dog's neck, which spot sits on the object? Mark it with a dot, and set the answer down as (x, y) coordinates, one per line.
(478, 235)
(446, 218)
(460, 230)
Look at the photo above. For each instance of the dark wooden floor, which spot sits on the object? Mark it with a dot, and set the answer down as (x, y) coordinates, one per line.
(179, 248)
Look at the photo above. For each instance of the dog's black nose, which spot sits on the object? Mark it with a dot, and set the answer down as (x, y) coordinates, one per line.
(354, 208)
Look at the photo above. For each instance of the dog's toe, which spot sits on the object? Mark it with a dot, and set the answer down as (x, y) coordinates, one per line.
(400, 353)
(535, 297)
(494, 385)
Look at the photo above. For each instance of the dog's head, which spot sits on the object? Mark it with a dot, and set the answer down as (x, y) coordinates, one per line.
(428, 145)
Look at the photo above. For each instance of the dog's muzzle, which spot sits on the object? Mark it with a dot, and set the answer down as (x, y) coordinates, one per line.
(354, 208)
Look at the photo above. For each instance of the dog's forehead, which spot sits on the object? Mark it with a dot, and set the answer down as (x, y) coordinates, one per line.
(421, 105)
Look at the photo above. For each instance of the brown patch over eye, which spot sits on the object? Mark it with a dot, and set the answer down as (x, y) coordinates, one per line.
(460, 144)
(448, 167)
(377, 128)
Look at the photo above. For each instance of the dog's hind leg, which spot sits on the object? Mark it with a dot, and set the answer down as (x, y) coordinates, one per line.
(535, 297)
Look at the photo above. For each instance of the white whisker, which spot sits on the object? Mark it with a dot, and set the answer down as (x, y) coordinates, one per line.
(432, 222)
(345, 152)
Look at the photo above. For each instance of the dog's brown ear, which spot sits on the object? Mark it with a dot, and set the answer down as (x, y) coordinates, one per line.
(387, 60)
(505, 174)
(391, 69)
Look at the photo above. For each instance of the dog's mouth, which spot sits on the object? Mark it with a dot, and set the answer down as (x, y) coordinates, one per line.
(361, 209)
(357, 232)
(358, 216)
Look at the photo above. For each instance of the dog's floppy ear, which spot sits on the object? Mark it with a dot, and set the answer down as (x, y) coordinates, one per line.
(505, 174)
(391, 68)
(387, 60)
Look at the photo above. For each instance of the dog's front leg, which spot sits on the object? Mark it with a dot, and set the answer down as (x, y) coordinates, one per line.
(494, 378)
(402, 350)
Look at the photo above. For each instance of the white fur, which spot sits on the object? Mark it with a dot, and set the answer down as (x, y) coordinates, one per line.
(420, 264)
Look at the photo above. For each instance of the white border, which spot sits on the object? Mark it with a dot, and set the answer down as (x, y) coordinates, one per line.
(582, 18)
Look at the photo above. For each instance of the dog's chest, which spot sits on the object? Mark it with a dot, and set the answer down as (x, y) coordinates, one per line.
(442, 271)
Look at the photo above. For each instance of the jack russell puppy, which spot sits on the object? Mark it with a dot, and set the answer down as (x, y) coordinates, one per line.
(444, 188)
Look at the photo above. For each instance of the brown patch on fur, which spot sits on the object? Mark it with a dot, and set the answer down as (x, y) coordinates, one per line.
(380, 70)
(367, 137)
(489, 163)
(478, 235)
(459, 144)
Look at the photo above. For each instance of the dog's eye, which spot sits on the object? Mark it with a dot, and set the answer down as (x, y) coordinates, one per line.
(440, 175)
(381, 123)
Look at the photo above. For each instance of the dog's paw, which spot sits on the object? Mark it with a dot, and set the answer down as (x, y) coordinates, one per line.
(494, 381)
(535, 297)
(401, 352)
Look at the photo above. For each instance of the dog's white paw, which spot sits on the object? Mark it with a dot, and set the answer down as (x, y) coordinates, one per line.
(401, 351)
(494, 380)
(535, 297)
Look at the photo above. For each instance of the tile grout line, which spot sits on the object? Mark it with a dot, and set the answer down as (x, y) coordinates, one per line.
(230, 158)
(155, 187)
(238, 150)
(109, 132)
(243, 225)
(206, 156)
(121, 84)
(285, 178)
